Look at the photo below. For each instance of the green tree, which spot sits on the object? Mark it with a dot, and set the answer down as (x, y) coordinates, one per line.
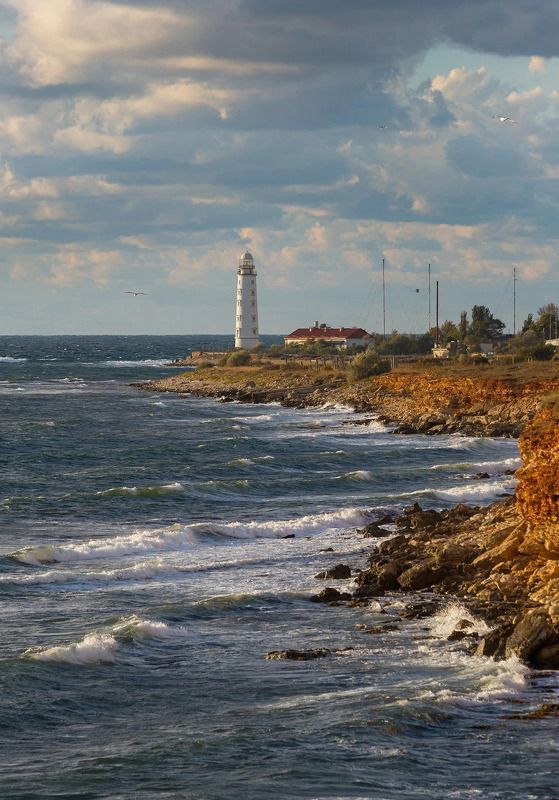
(484, 326)
(529, 324)
(547, 321)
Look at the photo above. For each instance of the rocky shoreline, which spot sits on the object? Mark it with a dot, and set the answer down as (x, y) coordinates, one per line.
(501, 561)
(423, 403)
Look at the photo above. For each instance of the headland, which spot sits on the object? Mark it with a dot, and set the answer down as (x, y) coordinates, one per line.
(502, 560)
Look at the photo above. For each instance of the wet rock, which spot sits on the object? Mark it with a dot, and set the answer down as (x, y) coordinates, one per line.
(337, 573)
(547, 657)
(530, 635)
(372, 531)
(289, 536)
(545, 710)
(330, 595)
(376, 629)
(420, 610)
(481, 475)
(493, 644)
(297, 655)
(386, 519)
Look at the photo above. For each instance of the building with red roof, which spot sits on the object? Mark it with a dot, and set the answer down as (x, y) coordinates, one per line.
(335, 337)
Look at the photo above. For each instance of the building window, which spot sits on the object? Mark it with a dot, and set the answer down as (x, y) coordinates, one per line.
(254, 331)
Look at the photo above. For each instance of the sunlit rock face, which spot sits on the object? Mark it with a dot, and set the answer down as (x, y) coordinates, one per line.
(538, 489)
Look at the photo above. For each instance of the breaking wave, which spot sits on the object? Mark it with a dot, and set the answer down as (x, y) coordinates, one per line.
(141, 491)
(95, 648)
(176, 537)
(101, 647)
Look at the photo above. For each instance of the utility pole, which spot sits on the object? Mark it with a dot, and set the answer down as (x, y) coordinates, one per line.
(437, 330)
(429, 280)
(383, 303)
(514, 301)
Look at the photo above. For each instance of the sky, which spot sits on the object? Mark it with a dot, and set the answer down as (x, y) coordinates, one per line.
(145, 145)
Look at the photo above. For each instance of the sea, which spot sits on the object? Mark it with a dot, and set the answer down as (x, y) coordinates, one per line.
(154, 548)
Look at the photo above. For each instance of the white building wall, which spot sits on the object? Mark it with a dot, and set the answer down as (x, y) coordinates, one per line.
(246, 322)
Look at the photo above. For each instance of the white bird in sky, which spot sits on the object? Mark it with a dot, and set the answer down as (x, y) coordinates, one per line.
(500, 118)
(135, 293)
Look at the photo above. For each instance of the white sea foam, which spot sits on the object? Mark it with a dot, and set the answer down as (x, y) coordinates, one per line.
(300, 526)
(95, 648)
(144, 570)
(240, 462)
(178, 537)
(11, 359)
(255, 419)
(445, 621)
(478, 491)
(497, 467)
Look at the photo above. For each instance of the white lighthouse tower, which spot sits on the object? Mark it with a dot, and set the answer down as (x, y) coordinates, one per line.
(246, 328)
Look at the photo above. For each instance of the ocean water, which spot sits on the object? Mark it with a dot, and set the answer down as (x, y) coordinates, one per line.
(154, 548)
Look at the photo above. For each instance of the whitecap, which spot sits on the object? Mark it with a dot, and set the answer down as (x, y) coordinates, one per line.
(358, 475)
(94, 648)
(177, 537)
(11, 359)
(137, 627)
(141, 491)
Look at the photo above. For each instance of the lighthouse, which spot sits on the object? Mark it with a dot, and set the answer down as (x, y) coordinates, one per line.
(246, 328)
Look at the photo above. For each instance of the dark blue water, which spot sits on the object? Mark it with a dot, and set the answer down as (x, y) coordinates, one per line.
(145, 573)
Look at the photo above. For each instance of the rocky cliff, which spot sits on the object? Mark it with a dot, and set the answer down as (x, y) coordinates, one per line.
(503, 560)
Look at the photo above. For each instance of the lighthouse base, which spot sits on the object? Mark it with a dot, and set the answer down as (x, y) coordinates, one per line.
(246, 342)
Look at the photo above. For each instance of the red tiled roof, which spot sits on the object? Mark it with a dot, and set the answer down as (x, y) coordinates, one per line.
(328, 333)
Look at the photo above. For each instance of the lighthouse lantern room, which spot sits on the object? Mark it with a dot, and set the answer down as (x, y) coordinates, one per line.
(246, 328)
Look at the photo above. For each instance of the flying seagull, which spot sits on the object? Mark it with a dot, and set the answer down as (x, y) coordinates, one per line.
(500, 118)
(135, 293)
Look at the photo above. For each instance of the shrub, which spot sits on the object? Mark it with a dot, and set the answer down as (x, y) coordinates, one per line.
(544, 352)
(367, 364)
(205, 364)
(238, 359)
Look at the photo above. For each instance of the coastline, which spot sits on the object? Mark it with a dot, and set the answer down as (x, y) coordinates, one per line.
(501, 560)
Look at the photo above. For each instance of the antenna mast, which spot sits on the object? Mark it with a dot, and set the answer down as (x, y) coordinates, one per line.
(514, 301)
(437, 330)
(429, 328)
(383, 303)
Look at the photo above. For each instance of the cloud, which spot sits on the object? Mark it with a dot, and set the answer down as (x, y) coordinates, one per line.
(537, 64)
(158, 139)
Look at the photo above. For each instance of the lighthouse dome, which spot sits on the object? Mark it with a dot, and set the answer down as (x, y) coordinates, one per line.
(247, 256)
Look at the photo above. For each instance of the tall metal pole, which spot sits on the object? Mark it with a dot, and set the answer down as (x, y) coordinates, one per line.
(429, 328)
(383, 303)
(514, 301)
(437, 330)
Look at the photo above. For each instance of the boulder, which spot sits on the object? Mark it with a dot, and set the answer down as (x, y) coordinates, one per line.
(297, 655)
(530, 634)
(422, 575)
(337, 573)
(330, 595)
